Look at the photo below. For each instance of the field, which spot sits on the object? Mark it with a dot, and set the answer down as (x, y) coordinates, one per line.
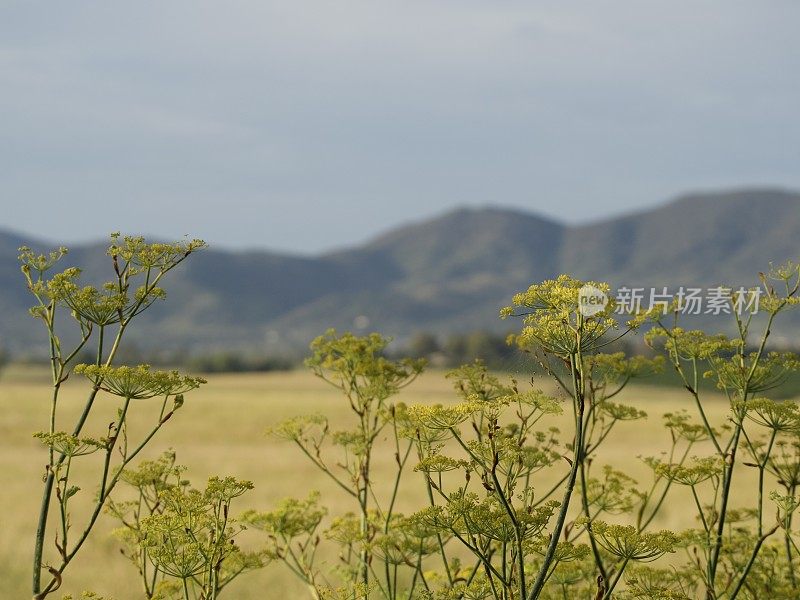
(221, 430)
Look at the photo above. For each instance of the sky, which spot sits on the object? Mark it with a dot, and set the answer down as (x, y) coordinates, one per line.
(304, 126)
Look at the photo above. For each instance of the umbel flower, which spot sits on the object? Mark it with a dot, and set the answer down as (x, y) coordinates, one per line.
(291, 518)
(614, 494)
(468, 514)
(618, 368)
(701, 469)
(680, 425)
(138, 383)
(439, 417)
(404, 541)
(623, 541)
(657, 584)
(552, 318)
(102, 307)
(151, 477)
(69, 445)
(692, 344)
(756, 373)
(39, 262)
(778, 416)
(115, 301)
(785, 465)
(187, 538)
(438, 463)
(787, 502)
(356, 366)
(136, 251)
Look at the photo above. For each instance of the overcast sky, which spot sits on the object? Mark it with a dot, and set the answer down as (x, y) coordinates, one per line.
(303, 126)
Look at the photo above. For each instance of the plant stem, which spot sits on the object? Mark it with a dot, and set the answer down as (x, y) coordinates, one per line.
(617, 577)
(751, 562)
(536, 590)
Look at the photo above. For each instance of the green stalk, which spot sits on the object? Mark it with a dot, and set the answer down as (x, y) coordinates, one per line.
(787, 543)
(538, 585)
(751, 562)
(617, 577)
(585, 500)
(728, 476)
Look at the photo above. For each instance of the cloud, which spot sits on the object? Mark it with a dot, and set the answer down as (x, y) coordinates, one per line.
(303, 125)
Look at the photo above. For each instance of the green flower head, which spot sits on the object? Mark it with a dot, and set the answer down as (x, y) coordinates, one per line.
(138, 383)
(623, 541)
(553, 320)
(69, 445)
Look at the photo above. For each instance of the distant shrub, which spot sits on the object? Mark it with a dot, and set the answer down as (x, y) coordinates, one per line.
(236, 362)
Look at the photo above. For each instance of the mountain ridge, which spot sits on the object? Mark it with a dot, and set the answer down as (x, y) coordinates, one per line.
(448, 273)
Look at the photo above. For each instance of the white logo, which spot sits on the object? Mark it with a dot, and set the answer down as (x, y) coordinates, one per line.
(591, 300)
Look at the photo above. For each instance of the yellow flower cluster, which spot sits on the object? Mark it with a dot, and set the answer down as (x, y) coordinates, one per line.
(625, 542)
(553, 321)
(136, 251)
(138, 383)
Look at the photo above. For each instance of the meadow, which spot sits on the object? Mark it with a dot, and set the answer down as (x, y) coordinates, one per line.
(221, 430)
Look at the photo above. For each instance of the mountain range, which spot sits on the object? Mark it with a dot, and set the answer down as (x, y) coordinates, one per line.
(447, 274)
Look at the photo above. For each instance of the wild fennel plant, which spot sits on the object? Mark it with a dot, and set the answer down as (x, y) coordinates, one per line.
(487, 528)
(493, 514)
(725, 558)
(367, 380)
(181, 540)
(101, 315)
(491, 531)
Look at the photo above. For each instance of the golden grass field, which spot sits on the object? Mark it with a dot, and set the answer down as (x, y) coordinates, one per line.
(221, 430)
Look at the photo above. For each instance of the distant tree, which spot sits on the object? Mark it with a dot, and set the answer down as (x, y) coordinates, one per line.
(234, 362)
(423, 344)
(489, 347)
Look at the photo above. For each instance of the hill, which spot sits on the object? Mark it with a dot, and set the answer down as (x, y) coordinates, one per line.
(451, 273)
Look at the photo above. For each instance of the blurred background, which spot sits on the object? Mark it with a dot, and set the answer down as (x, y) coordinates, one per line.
(395, 166)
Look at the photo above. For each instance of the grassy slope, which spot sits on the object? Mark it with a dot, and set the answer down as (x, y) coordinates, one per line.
(221, 431)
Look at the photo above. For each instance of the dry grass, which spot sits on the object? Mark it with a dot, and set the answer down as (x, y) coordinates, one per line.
(221, 431)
